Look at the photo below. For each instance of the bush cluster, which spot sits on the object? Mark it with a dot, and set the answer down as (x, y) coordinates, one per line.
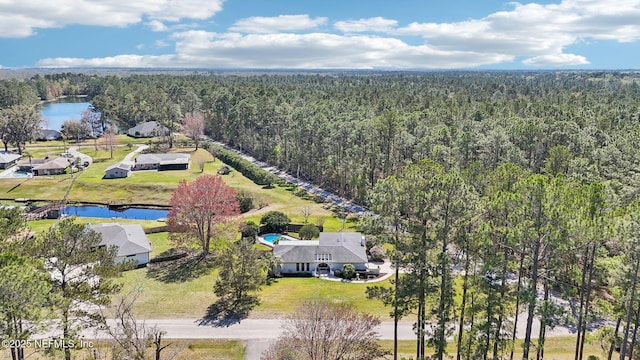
(248, 169)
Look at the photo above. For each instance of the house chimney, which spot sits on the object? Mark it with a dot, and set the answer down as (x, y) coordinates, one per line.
(362, 241)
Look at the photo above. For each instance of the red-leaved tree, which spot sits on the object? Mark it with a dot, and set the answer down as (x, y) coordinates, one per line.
(199, 208)
(193, 126)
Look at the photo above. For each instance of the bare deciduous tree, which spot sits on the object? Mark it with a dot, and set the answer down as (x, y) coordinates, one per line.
(131, 338)
(306, 212)
(321, 330)
(193, 126)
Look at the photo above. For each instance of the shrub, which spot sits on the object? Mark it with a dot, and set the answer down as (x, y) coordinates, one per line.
(308, 232)
(275, 221)
(377, 253)
(250, 230)
(245, 200)
(348, 271)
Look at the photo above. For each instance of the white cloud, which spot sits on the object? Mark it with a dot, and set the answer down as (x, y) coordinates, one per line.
(161, 43)
(557, 60)
(298, 51)
(20, 18)
(538, 33)
(287, 23)
(376, 24)
(157, 26)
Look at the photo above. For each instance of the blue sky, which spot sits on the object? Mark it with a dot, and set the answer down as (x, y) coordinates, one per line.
(327, 34)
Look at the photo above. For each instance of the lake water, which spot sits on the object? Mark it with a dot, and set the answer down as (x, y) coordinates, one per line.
(54, 114)
(104, 212)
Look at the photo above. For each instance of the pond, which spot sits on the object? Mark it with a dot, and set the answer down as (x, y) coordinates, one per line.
(104, 212)
(56, 113)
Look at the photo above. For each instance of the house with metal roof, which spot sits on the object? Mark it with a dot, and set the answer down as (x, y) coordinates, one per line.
(8, 159)
(130, 239)
(323, 256)
(119, 170)
(160, 162)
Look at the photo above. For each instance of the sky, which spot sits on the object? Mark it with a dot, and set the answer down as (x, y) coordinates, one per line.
(321, 34)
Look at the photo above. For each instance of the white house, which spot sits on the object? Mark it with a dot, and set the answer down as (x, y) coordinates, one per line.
(130, 239)
(119, 170)
(323, 256)
(161, 162)
(8, 159)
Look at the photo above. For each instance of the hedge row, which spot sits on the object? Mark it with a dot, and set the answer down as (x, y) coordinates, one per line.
(248, 169)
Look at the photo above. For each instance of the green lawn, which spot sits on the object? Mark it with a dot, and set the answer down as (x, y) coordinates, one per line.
(557, 348)
(187, 349)
(286, 294)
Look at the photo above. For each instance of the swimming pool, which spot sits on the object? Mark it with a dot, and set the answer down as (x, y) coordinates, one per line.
(271, 237)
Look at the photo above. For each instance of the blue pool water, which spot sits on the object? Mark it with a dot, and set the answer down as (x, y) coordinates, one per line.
(271, 237)
(104, 212)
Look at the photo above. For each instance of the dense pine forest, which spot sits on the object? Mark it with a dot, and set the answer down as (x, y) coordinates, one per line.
(499, 193)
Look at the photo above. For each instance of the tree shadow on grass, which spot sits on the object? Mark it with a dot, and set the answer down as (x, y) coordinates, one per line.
(224, 313)
(180, 270)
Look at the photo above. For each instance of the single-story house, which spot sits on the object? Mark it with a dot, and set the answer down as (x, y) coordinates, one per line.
(148, 129)
(47, 166)
(8, 159)
(130, 239)
(175, 161)
(49, 134)
(119, 170)
(323, 256)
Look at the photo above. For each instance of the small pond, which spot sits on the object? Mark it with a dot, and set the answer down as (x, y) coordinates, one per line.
(56, 113)
(104, 212)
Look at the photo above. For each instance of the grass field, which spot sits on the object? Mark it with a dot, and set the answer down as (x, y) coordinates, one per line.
(185, 349)
(557, 348)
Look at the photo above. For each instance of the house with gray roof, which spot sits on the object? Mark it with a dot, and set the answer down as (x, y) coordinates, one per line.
(8, 159)
(323, 256)
(148, 129)
(48, 134)
(47, 166)
(130, 239)
(119, 170)
(160, 162)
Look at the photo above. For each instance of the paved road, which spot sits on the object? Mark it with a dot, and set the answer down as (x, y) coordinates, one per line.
(251, 329)
(313, 189)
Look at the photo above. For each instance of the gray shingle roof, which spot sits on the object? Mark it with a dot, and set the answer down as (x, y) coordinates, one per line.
(130, 239)
(57, 163)
(344, 247)
(149, 128)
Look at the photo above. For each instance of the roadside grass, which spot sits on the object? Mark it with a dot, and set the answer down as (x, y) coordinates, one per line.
(556, 348)
(189, 349)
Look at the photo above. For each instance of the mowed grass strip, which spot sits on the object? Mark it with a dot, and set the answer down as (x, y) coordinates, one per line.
(556, 348)
(186, 349)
